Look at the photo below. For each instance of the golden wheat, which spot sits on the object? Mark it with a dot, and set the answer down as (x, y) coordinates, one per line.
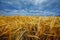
(29, 28)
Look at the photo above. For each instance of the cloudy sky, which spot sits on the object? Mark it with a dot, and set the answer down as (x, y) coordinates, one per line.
(30, 7)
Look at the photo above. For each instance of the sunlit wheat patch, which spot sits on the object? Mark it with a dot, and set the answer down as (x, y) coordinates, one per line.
(29, 28)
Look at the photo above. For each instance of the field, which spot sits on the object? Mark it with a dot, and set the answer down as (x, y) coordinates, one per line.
(29, 28)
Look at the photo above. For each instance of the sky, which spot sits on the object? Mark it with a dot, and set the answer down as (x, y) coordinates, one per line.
(30, 7)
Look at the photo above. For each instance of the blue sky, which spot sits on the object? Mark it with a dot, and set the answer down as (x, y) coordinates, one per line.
(30, 7)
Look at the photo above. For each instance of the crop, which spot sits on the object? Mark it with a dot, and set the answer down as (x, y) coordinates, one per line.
(29, 28)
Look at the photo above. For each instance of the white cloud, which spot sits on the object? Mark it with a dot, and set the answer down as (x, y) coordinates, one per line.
(26, 13)
(39, 1)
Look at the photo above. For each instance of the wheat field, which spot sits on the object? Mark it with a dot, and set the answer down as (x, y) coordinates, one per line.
(29, 28)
